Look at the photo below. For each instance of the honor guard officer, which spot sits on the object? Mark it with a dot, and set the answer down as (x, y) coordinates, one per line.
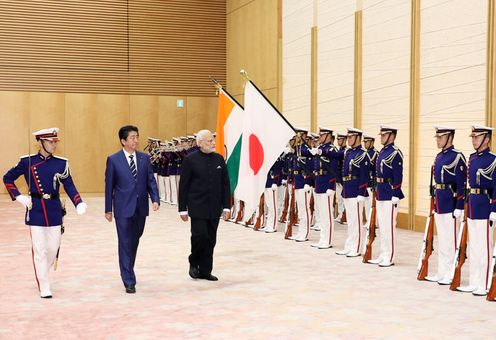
(481, 209)
(302, 189)
(44, 172)
(389, 176)
(355, 180)
(341, 139)
(325, 171)
(368, 144)
(450, 176)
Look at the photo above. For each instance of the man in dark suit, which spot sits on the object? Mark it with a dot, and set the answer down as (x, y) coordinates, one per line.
(204, 195)
(129, 181)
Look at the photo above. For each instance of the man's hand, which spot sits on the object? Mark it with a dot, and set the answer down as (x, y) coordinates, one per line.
(226, 215)
(108, 216)
(184, 218)
(156, 206)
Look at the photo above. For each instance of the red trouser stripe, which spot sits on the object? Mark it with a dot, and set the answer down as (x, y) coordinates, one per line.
(392, 234)
(32, 257)
(330, 218)
(359, 226)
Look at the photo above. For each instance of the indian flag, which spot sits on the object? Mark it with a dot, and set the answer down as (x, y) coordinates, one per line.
(229, 130)
(265, 135)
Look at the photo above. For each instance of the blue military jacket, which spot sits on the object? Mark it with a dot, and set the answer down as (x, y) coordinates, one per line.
(302, 166)
(389, 173)
(450, 175)
(45, 176)
(355, 172)
(339, 176)
(275, 173)
(327, 168)
(372, 153)
(481, 175)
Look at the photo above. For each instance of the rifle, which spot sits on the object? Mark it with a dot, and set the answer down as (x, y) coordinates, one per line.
(491, 280)
(292, 215)
(461, 252)
(286, 204)
(62, 229)
(336, 208)
(370, 230)
(427, 244)
(256, 227)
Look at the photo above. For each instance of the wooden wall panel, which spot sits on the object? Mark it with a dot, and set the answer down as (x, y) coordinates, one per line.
(172, 120)
(202, 114)
(113, 46)
(144, 111)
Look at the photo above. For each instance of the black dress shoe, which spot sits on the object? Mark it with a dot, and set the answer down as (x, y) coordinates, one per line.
(193, 272)
(131, 289)
(209, 277)
(46, 297)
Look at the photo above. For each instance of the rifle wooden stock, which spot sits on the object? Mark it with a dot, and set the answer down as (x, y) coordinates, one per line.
(336, 212)
(343, 217)
(461, 253)
(292, 215)
(239, 217)
(427, 244)
(260, 213)
(286, 205)
(491, 295)
(371, 231)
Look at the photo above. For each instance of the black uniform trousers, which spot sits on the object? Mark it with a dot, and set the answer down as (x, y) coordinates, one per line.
(203, 239)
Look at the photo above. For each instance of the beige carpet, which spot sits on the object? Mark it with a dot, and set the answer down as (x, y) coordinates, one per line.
(269, 288)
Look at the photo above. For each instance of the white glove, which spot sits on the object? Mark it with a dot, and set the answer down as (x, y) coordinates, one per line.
(286, 150)
(395, 200)
(492, 217)
(457, 213)
(284, 182)
(306, 188)
(329, 192)
(81, 208)
(360, 198)
(25, 201)
(313, 151)
(274, 187)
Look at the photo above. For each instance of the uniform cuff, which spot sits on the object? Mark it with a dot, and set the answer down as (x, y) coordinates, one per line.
(183, 213)
(226, 210)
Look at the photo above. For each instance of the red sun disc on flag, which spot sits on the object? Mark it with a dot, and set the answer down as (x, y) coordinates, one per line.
(256, 153)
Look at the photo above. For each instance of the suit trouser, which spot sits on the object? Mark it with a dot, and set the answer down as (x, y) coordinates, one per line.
(339, 197)
(354, 217)
(387, 213)
(129, 231)
(325, 207)
(303, 204)
(447, 231)
(45, 243)
(270, 198)
(480, 246)
(203, 239)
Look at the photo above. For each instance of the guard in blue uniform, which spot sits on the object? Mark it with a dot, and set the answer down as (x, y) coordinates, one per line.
(44, 172)
(389, 176)
(355, 180)
(481, 210)
(368, 144)
(302, 189)
(326, 160)
(450, 177)
(341, 141)
(270, 196)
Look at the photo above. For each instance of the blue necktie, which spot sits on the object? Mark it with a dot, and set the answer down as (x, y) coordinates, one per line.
(132, 166)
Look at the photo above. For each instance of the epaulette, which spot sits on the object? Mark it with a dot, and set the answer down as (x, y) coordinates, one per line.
(25, 156)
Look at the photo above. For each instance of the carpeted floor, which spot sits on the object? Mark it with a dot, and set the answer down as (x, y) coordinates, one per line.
(269, 288)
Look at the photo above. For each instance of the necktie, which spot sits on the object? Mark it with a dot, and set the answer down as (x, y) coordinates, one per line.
(132, 166)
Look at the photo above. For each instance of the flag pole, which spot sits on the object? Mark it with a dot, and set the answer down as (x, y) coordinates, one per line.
(218, 87)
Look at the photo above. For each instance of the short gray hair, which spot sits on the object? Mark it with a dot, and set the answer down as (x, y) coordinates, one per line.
(200, 135)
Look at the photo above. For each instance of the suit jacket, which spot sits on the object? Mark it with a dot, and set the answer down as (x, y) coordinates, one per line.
(125, 195)
(204, 189)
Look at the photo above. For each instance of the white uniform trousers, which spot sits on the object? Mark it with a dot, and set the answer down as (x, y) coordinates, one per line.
(45, 244)
(386, 219)
(354, 217)
(270, 199)
(339, 190)
(316, 215)
(480, 247)
(447, 230)
(173, 189)
(368, 205)
(325, 206)
(281, 191)
(303, 204)
(234, 210)
(162, 188)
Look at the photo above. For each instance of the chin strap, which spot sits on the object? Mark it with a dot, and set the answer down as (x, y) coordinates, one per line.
(481, 143)
(43, 146)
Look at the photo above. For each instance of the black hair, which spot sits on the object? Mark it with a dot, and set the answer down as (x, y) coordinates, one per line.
(125, 130)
